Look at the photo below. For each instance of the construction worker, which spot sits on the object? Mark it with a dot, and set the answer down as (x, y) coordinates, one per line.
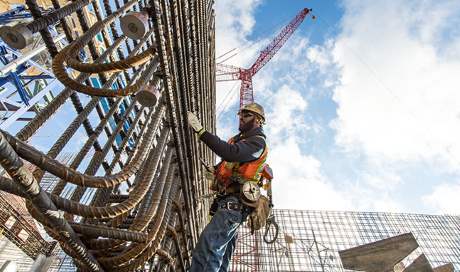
(242, 158)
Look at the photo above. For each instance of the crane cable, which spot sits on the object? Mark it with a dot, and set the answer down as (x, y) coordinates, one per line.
(228, 98)
(224, 101)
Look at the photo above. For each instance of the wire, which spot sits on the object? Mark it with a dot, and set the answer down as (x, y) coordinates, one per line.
(226, 53)
(221, 62)
(264, 31)
(226, 96)
(227, 103)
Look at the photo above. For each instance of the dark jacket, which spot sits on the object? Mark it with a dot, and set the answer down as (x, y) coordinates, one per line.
(247, 147)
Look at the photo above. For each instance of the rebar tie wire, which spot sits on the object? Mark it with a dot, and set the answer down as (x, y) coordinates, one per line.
(105, 212)
(92, 139)
(71, 175)
(156, 239)
(144, 217)
(134, 250)
(184, 168)
(135, 255)
(57, 147)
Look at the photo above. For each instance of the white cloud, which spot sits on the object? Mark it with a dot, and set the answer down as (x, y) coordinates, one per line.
(398, 96)
(365, 198)
(234, 22)
(374, 189)
(287, 111)
(444, 198)
(382, 181)
(298, 181)
(320, 55)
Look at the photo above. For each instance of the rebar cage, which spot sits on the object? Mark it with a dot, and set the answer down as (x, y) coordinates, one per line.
(128, 197)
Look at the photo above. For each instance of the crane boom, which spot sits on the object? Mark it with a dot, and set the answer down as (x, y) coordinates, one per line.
(267, 54)
(226, 72)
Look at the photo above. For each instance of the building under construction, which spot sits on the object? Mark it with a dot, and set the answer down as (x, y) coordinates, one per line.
(311, 240)
(99, 169)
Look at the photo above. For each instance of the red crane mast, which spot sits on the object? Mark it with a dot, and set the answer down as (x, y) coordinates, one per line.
(227, 72)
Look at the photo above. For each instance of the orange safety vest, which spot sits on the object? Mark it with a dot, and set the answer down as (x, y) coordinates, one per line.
(248, 171)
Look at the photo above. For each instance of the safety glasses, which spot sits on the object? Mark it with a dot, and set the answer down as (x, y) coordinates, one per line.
(245, 115)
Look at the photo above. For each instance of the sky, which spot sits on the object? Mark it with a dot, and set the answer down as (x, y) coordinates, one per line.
(362, 104)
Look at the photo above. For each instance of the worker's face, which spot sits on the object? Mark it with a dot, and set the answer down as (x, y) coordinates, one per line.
(247, 120)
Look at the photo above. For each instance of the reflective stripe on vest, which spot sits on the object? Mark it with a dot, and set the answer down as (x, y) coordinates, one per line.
(248, 171)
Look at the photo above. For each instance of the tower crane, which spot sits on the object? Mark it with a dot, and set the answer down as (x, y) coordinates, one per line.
(225, 72)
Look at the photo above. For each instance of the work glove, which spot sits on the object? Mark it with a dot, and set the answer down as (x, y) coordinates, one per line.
(210, 175)
(194, 123)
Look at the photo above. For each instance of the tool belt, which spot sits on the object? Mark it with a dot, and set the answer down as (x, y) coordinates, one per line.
(233, 189)
(259, 215)
(231, 205)
(258, 211)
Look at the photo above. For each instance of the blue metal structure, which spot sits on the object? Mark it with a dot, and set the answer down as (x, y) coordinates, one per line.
(18, 89)
(20, 92)
(106, 107)
(17, 13)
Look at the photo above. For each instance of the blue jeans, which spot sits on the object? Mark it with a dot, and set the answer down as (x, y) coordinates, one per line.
(216, 244)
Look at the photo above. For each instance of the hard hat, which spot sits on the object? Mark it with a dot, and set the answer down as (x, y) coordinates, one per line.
(255, 108)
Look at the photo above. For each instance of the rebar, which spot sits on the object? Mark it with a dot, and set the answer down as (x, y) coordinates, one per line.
(129, 195)
(41, 201)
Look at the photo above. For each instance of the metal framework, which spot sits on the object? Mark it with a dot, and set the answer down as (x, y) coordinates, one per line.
(26, 85)
(227, 72)
(130, 197)
(18, 12)
(18, 226)
(310, 240)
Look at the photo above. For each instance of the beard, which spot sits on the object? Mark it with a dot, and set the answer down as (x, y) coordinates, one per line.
(247, 126)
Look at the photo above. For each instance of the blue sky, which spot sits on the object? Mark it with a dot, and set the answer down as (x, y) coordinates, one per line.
(363, 104)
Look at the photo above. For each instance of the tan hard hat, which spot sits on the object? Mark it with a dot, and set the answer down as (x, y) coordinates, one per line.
(255, 108)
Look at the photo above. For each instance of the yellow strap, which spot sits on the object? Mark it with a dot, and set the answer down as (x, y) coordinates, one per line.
(201, 132)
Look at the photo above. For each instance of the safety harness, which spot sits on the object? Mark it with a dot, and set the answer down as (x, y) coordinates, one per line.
(231, 172)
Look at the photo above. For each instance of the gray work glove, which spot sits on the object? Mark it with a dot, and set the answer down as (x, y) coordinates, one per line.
(194, 123)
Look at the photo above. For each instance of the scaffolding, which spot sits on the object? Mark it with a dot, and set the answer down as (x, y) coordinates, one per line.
(19, 227)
